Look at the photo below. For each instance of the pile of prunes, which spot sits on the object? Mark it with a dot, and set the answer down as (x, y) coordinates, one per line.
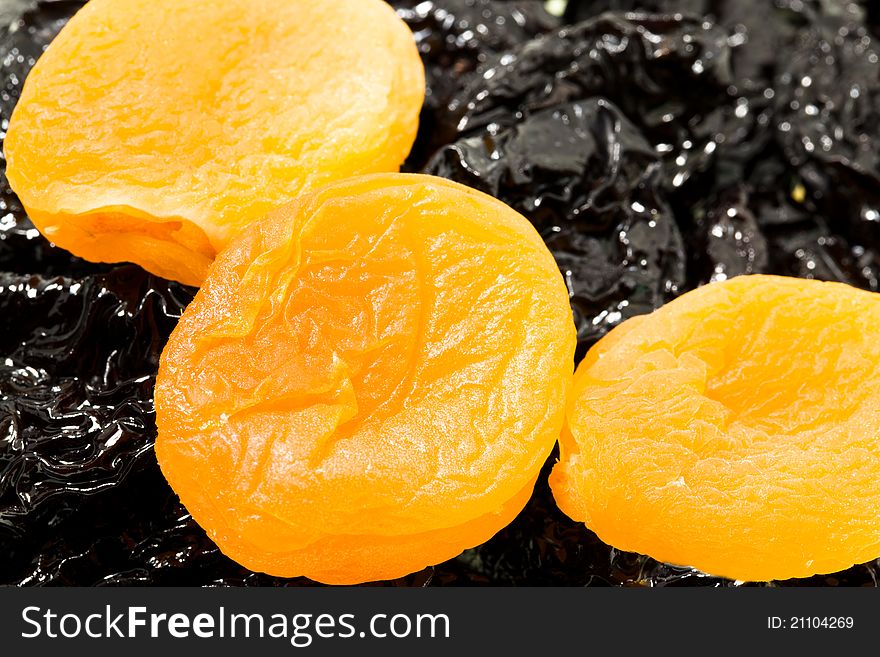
(656, 145)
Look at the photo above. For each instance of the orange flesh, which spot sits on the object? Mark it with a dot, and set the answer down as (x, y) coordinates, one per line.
(369, 381)
(154, 130)
(735, 430)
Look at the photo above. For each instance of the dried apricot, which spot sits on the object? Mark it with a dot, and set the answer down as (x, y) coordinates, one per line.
(735, 430)
(153, 130)
(369, 380)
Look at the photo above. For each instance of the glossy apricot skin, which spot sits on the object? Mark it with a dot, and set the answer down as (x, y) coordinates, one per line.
(152, 131)
(369, 381)
(735, 430)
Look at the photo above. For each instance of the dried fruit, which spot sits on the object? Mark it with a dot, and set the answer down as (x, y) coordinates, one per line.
(592, 132)
(828, 124)
(369, 380)
(132, 530)
(670, 77)
(77, 364)
(734, 430)
(454, 37)
(158, 150)
(589, 182)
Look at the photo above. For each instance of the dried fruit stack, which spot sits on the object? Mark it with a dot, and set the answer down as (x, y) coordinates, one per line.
(652, 153)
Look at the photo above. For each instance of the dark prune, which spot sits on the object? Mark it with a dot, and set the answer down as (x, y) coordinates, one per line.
(582, 10)
(811, 250)
(726, 238)
(78, 363)
(828, 123)
(736, 195)
(759, 31)
(82, 500)
(648, 66)
(671, 77)
(23, 250)
(872, 15)
(588, 180)
(454, 38)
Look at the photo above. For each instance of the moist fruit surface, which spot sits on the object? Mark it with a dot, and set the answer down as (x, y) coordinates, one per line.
(368, 382)
(151, 131)
(735, 430)
(761, 119)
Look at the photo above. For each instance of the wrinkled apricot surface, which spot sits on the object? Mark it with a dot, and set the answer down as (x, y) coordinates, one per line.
(368, 382)
(153, 130)
(735, 430)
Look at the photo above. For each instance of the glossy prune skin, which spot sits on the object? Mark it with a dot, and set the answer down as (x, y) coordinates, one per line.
(669, 77)
(669, 84)
(454, 38)
(82, 501)
(828, 123)
(759, 31)
(741, 200)
(79, 357)
(814, 210)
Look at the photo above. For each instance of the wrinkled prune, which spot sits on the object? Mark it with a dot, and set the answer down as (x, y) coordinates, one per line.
(454, 38)
(725, 239)
(670, 77)
(739, 199)
(758, 31)
(828, 122)
(589, 181)
(76, 379)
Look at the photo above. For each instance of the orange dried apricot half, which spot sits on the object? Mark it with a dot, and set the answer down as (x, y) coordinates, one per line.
(735, 430)
(369, 380)
(154, 130)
